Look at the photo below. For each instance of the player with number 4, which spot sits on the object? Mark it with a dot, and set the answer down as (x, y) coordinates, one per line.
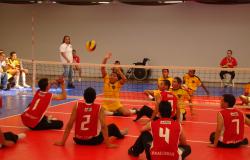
(230, 125)
(166, 140)
(90, 125)
(34, 116)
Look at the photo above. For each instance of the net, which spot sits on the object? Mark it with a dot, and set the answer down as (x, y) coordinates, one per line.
(139, 79)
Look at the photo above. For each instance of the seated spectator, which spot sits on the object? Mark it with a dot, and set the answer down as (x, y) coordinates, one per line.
(15, 69)
(3, 74)
(228, 62)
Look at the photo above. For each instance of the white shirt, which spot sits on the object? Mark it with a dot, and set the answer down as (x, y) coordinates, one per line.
(67, 49)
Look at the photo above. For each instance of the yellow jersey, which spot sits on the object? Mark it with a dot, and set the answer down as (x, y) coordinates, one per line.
(162, 79)
(13, 63)
(111, 91)
(182, 95)
(191, 82)
(247, 88)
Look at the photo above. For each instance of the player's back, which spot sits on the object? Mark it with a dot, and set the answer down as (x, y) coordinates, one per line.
(233, 130)
(87, 121)
(166, 133)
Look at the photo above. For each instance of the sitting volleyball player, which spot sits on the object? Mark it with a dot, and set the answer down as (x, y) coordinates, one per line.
(33, 117)
(230, 125)
(8, 139)
(191, 82)
(162, 95)
(165, 76)
(245, 98)
(166, 141)
(181, 96)
(90, 125)
(111, 89)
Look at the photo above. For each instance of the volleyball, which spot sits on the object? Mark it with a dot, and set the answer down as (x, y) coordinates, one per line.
(91, 45)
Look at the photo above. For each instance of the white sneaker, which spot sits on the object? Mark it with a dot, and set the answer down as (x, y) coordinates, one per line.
(21, 135)
(26, 86)
(18, 86)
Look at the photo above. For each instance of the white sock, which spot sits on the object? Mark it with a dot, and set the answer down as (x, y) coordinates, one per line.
(21, 135)
(150, 96)
(108, 113)
(17, 80)
(24, 78)
(133, 111)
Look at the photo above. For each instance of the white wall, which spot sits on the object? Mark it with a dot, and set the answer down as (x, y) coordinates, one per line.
(189, 34)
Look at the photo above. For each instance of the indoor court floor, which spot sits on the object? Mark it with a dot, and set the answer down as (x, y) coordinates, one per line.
(38, 145)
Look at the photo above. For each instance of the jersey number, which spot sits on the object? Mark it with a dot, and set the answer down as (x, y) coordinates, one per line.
(84, 122)
(36, 104)
(164, 135)
(237, 125)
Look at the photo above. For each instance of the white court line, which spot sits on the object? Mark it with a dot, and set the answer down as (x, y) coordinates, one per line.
(132, 136)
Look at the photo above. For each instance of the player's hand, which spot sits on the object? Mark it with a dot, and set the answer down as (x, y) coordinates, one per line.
(59, 144)
(212, 146)
(108, 55)
(60, 80)
(110, 145)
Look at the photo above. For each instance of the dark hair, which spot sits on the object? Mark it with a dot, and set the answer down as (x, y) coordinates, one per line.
(73, 50)
(11, 53)
(178, 79)
(89, 95)
(117, 62)
(43, 83)
(230, 51)
(165, 69)
(166, 83)
(165, 109)
(63, 41)
(229, 99)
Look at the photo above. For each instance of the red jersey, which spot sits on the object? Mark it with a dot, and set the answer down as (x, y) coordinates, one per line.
(226, 60)
(171, 98)
(166, 133)
(76, 59)
(233, 129)
(87, 121)
(36, 109)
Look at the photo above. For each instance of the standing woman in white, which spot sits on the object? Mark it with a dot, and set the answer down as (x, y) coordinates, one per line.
(67, 57)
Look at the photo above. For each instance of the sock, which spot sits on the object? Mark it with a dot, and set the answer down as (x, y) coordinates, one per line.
(24, 78)
(108, 113)
(150, 97)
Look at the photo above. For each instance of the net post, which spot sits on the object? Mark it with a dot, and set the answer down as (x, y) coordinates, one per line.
(33, 77)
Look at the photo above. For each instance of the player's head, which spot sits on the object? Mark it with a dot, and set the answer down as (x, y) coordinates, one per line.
(228, 101)
(74, 52)
(117, 62)
(13, 55)
(89, 95)
(113, 77)
(165, 109)
(66, 39)
(43, 84)
(229, 53)
(2, 56)
(164, 85)
(177, 83)
(191, 72)
(165, 72)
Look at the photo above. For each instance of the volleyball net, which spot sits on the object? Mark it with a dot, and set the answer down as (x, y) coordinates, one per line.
(139, 79)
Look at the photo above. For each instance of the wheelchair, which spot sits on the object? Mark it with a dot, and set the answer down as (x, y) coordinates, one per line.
(139, 73)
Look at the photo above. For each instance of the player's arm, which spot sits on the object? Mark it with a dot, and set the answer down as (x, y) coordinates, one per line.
(63, 94)
(218, 130)
(105, 129)
(157, 102)
(205, 89)
(247, 121)
(182, 138)
(103, 68)
(124, 79)
(68, 127)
